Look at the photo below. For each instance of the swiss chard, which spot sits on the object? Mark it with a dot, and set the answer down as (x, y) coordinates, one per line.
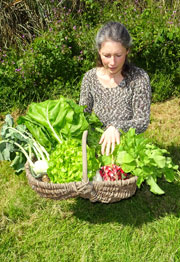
(52, 121)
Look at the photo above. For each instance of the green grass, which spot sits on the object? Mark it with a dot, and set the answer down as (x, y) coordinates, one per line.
(145, 227)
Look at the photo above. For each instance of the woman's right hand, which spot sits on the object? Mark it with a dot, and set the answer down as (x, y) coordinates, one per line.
(109, 139)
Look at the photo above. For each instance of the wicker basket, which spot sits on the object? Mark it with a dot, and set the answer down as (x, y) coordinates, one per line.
(105, 191)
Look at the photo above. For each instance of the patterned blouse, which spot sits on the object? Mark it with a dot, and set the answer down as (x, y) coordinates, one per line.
(124, 106)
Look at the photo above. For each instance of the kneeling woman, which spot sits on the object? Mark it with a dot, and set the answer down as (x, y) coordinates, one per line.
(118, 92)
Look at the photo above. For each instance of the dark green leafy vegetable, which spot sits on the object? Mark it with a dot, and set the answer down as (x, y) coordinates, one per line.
(8, 150)
(95, 131)
(52, 121)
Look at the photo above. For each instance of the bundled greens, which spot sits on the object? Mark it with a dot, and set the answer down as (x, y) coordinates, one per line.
(52, 127)
(140, 157)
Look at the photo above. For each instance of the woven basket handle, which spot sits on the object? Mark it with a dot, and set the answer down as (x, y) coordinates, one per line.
(84, 157)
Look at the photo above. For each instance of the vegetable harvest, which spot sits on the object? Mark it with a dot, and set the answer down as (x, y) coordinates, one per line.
(18, 145)
(51, 133)
(140, 157)
(49, 127)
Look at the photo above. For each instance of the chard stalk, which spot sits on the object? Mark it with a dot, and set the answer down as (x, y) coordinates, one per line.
(52, 129)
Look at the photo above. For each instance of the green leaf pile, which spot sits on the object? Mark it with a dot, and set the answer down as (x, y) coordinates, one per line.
(138, 156)
(65, 164)
(58, 125)
(64, 116)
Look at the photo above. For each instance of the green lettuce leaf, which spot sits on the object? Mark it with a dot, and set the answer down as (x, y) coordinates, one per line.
(154, 188)
(140, 157)
(124, 157)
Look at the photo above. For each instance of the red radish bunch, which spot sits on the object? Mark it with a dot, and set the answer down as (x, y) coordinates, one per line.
(112, 173)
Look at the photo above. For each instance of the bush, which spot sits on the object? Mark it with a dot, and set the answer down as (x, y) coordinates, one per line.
(54, 63)
(156, 46)
(51, 65)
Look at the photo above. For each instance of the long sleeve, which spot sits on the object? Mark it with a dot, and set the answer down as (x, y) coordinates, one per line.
(140, 106)
(124, 106)
(86, 97)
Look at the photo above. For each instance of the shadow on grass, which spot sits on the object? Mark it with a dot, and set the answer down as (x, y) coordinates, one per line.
(140, 209)
(174, 153)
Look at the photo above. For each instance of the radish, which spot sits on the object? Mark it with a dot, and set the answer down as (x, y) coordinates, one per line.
(112, 173)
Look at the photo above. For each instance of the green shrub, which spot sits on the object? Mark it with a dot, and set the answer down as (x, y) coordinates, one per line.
(55, 62)
(52, 64)
(156, 42)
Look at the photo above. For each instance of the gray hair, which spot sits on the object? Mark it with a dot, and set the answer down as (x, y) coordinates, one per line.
(114, 31)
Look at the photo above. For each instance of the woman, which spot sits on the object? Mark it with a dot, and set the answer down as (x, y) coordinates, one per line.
(119, 93)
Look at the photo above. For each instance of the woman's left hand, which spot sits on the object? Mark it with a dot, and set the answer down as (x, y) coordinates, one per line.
(109, 139)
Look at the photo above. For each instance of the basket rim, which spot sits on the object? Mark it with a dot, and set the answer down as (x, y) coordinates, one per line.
(122, 182)
(43, 184)
(34, 180)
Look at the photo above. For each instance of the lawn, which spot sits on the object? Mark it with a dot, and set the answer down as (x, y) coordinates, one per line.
(144, 228)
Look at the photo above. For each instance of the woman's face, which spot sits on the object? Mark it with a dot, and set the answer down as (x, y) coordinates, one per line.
(113, 56)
